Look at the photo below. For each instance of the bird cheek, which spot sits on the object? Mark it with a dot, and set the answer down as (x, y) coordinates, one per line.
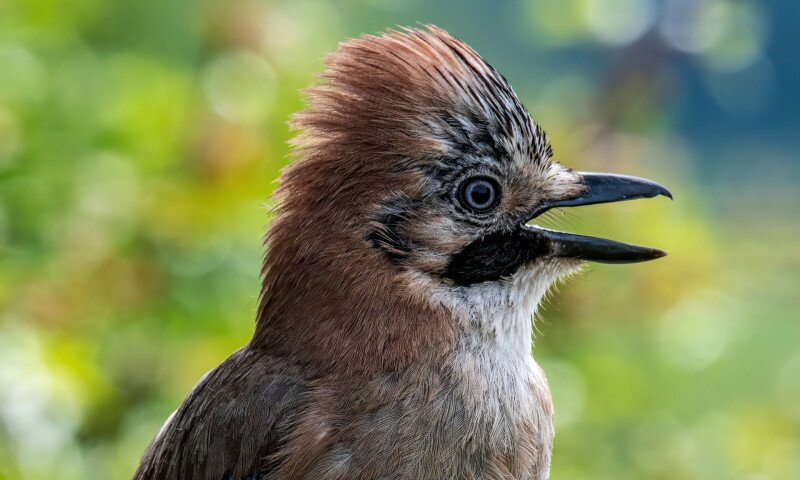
(523, 193)
(438, 234)
(427, 261)
(435, 239)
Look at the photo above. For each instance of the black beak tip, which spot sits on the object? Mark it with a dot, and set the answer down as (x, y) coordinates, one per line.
(645, 254)
(659, 253)
(655, 189)
(632, 254)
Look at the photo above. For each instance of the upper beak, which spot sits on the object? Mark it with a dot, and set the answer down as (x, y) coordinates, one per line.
(599, 188)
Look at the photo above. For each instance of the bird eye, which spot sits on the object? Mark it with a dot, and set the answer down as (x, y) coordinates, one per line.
(479, 194)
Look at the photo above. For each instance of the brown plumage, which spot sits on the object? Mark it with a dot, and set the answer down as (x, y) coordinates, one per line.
(393, 337)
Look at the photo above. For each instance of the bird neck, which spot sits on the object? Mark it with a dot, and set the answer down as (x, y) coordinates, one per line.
(328, 304)
(499, 315)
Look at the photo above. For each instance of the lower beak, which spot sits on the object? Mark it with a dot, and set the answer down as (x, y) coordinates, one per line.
(598, 188)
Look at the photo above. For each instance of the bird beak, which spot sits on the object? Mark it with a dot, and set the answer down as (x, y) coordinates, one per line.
(598, 188)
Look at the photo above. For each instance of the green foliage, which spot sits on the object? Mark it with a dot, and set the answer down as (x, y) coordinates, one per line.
(139, 142)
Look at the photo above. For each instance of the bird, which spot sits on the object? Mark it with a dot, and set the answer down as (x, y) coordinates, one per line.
(403, 267)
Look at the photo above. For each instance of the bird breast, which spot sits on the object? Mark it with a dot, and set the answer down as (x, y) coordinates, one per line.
(480, 410)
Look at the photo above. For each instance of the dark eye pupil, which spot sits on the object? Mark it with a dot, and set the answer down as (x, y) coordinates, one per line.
(479, 194)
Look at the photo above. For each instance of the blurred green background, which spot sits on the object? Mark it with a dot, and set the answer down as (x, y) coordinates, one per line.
(140, 141)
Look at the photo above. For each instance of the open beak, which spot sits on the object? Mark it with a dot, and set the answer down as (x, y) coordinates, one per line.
(598, 188)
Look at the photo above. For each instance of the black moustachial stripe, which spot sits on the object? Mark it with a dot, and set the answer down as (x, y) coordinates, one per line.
(493, 257)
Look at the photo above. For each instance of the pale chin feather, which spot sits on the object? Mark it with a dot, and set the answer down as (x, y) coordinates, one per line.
(503, 310)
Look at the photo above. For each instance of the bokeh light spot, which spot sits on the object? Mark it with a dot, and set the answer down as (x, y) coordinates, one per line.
(241, 87)
(697, 332)
(23, 78)
(618, 22)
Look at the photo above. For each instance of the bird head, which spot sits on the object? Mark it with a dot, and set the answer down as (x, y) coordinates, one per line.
(419, 170)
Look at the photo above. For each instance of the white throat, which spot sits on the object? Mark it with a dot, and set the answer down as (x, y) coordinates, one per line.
(500, 314)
